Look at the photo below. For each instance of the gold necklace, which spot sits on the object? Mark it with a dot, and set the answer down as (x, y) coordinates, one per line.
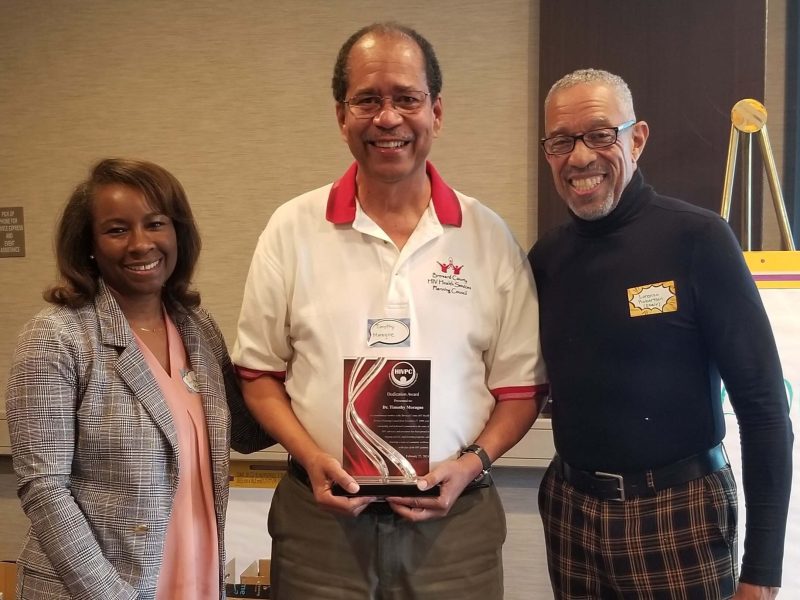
(153, 330)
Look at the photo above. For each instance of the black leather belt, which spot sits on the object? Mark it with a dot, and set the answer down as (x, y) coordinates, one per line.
(620, 486)
(297, 471)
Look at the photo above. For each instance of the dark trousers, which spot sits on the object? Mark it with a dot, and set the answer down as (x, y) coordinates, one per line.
(679, 544)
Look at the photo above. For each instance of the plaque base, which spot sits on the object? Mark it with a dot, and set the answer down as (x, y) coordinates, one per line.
(382, 490)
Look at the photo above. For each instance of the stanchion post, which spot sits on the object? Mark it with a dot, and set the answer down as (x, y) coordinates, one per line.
(749, 116)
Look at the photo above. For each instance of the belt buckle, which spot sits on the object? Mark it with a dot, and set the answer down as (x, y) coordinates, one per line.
(620, 480)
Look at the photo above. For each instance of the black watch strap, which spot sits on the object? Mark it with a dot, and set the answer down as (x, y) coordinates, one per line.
(486, 462)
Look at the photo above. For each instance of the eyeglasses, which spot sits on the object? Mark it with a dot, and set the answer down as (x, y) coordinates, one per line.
(594, 139)
(365, 106)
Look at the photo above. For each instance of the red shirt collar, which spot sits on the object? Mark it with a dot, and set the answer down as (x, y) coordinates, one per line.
(342, 199)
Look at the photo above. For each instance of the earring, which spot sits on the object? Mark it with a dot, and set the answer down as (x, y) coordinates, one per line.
(91, 257)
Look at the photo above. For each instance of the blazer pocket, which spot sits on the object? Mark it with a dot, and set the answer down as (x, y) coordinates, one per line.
(32, 585)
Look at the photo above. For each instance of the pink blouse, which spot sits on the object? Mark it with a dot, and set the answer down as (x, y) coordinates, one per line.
(190, 567)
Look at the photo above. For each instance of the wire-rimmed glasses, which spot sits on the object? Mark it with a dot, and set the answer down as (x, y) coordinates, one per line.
(366, 106)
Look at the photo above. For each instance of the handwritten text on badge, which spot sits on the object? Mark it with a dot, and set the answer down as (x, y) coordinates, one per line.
(388, 332)
(652, 299)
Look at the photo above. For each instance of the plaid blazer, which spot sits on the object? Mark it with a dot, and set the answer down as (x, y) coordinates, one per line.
(95, 448)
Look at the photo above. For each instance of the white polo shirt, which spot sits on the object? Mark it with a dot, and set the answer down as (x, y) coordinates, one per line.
(323, 269)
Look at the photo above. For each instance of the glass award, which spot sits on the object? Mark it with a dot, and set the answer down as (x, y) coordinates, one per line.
(386, 432)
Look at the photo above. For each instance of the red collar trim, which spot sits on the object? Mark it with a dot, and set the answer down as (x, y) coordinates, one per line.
(342, 198)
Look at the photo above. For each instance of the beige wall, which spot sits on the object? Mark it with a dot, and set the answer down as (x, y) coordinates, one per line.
(234, 98)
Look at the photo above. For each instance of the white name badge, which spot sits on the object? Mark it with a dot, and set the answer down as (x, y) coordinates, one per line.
(394, 333)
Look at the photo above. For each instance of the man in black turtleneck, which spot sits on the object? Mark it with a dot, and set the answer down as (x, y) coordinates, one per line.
(645, 303)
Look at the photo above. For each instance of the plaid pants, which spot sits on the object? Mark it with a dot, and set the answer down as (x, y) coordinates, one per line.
(677, 545)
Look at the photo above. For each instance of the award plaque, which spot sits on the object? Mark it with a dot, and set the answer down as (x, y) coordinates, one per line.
(386, 433)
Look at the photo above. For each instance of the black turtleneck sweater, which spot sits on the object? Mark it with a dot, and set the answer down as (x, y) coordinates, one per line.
(632, 393)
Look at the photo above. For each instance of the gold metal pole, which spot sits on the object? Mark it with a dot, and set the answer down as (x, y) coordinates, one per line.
(730, 170)
(749, 116)
(775, 189)
(747, 192)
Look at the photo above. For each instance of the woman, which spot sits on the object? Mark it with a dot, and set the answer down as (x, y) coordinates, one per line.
(116, 404)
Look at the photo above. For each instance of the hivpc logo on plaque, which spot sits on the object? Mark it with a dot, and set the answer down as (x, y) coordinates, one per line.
(652, 299)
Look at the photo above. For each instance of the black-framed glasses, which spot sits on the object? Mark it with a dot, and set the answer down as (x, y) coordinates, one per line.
(594, 139)
(366, 106)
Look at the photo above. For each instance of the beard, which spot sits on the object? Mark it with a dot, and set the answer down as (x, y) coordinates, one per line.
(594, 209)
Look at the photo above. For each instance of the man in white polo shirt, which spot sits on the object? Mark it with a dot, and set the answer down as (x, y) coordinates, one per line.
(389, 324)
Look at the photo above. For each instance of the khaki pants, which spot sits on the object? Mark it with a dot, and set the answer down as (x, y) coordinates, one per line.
(378, 556)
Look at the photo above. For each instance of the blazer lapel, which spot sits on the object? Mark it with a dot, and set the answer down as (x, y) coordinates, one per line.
(131, 365)
(212, 390)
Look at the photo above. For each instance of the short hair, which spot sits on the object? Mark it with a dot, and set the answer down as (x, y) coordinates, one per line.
(433, 73)
(74, 239)
(596, 77)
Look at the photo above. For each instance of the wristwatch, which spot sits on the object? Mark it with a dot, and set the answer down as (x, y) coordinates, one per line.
(486, 462)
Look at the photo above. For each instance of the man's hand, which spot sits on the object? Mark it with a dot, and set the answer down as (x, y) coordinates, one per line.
(452, 475)
(323, 471)
(748, 591)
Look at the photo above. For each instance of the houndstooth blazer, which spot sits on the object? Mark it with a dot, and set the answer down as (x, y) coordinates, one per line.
(95, 449)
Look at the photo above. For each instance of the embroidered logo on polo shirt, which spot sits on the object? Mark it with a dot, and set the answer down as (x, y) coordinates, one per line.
(652, 299)
(449, 266)
(449, 278)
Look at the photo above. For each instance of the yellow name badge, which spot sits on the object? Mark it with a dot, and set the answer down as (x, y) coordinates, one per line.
(652, 299)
